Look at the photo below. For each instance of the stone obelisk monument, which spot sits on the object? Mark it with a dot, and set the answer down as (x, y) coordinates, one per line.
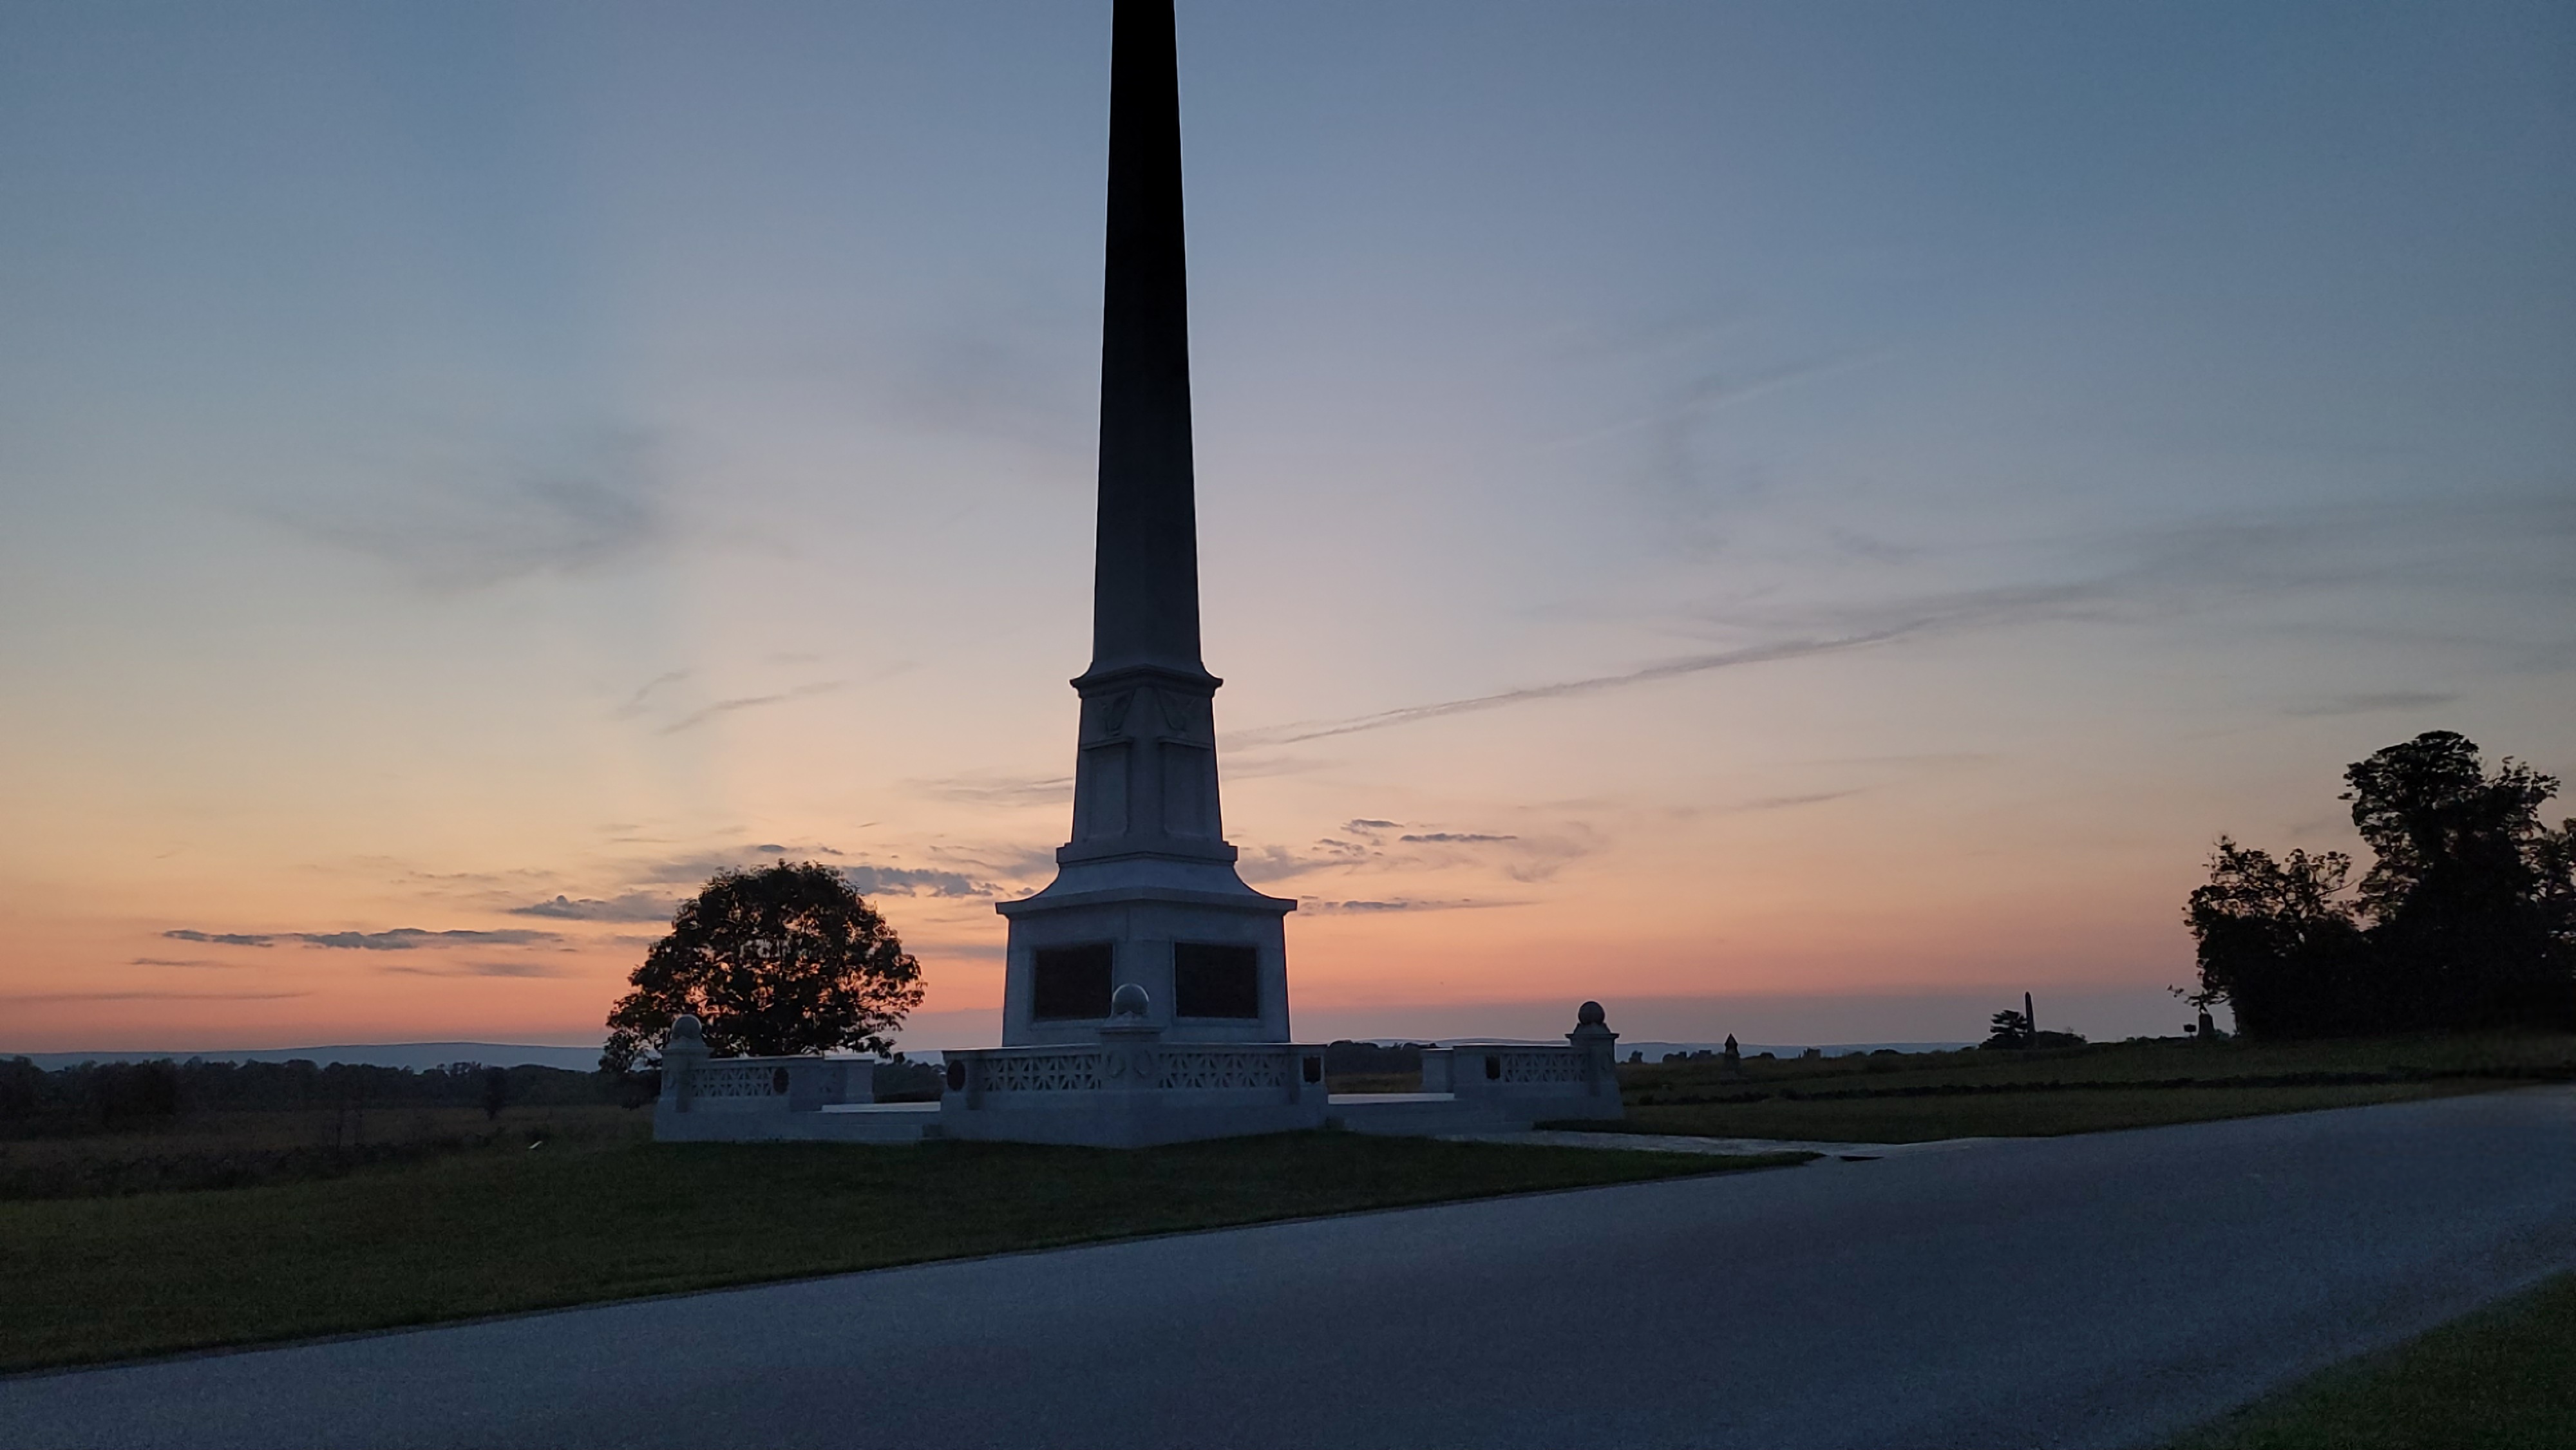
(1146, 892)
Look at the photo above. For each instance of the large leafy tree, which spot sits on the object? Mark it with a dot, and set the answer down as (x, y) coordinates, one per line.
(2459, 902)
(2466, 918)
(2282, 943)
(785, 959)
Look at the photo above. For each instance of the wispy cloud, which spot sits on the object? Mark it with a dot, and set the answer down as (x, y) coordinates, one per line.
(699, 866)
(1002, 790)
(1669, 669)
(2373, 704)
(38, 998)
(703, 714)
(975, 950)
(866, 878)
(1364, 848)
(480, 969)
(462, 509)
(1398, 903)
(634, 705)
(1716, 390)
(1791, 802)
(413, 939)
(633, 906)
(182, 962)
(2129, 576)
(220, 938)
(908, 881)
(1002, 369)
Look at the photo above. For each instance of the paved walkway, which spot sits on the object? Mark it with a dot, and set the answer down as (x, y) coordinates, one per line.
(2106, 1289)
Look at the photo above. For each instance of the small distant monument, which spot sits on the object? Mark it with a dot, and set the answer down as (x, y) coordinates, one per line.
(1734, 1057)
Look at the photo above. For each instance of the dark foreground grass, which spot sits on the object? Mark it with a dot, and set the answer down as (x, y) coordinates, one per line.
(508, 1229)
(2501, 1379)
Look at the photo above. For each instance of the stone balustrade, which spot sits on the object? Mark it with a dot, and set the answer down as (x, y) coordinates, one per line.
(1132, 1087)
(1279, 1071)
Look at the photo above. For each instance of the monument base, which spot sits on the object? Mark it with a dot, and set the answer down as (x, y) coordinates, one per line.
(1209, 953)
(1132, 1086)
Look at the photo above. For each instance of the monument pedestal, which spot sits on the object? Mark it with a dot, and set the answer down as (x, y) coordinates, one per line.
(1209, 952)
(1145, 892)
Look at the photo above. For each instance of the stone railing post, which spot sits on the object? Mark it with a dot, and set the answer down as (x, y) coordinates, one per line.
(1598, 1047)
(1128, 1061)
(680, 1059)
(1306, 1075)
(1439, 1069)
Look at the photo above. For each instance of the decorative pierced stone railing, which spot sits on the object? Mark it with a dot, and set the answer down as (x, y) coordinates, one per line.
(694, 1082)
(1539, 1065)
(1045, 1070)
(1226, 1067)
(739, 1078)
(1582, 1077)
(1130, 1062)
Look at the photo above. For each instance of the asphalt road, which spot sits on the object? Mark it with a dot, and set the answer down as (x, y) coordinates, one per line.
(2098, 1290)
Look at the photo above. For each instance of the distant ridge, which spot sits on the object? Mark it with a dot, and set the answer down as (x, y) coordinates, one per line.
(367, 1054)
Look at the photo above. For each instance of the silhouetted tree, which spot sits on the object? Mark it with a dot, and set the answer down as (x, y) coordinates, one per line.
(2011, 1029)
(2466, 919)
(786, 959)
(2460, 910)
(2278, 941)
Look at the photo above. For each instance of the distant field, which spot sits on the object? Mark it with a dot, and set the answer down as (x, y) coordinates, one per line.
(1919, 1097)
(500, 1227)
(249, 1147)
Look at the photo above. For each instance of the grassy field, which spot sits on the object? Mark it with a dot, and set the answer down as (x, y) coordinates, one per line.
(240, 1149)
(1918, 1097)
(2501, 1379)
(501, 1227)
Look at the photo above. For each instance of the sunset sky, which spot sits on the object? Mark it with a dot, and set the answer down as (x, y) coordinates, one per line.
(1795, 519)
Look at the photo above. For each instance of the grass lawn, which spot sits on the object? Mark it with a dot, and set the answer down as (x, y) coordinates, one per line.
(240, 1148)
(503, 1228)
(2020, 1115)
(1918, 1097)
(2503, 1378)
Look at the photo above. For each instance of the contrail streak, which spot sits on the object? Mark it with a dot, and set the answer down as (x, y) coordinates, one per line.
(1670, 669)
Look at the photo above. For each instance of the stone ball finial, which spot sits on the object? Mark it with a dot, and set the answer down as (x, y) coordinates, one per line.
(1129, 1001)
(686, 1028)
(1590, 1015)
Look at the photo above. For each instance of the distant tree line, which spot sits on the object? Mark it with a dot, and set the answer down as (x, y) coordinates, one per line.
(2012, 1031)
(2465, 920)
(94, 1095)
